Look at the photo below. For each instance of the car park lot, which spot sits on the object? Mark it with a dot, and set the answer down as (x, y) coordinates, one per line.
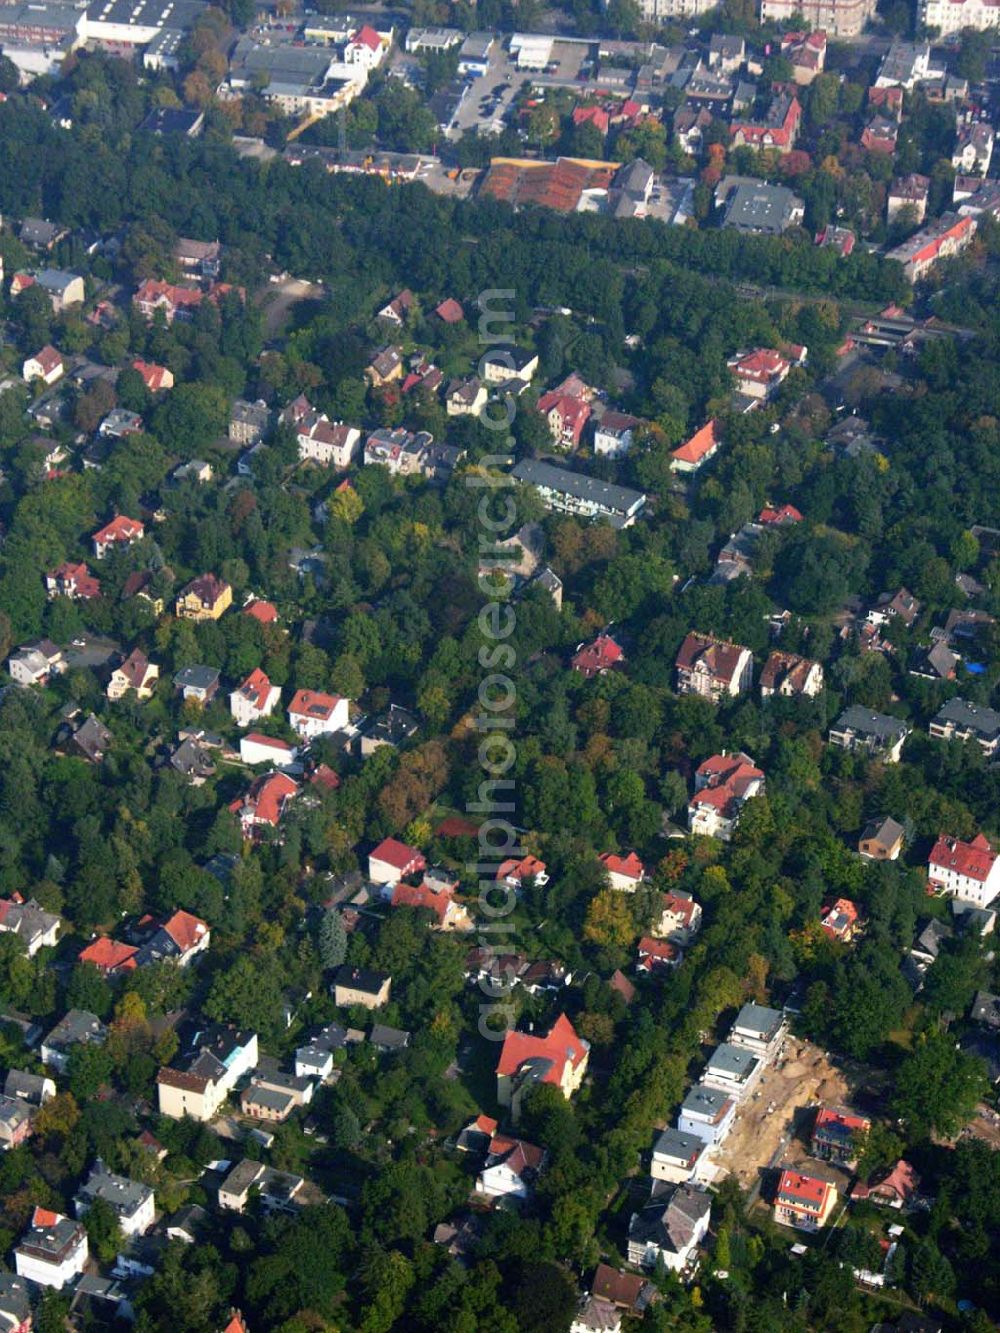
(490, 95)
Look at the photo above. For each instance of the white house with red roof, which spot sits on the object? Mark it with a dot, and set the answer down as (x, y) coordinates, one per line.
(655, 955)
(254, 699)
(515, 870)
(695, 452)
(73, 579)
(258, 749)
(156, 378)
(393, 860)
(624, 872)
(511, 1168)
(594, 659)
(45, 365)
(566, 409)
(760, 373)
(805, 1202)
(969, 871)
(366, 48)
(723, 785)
(264, 802)
(434, 896)
(121, 531)
(559, 1058)
(312, 713)
(680, 919)
(190, 935)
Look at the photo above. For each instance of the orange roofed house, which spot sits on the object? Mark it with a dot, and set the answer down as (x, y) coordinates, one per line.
(969, 871)
(110, 957)
(254, 699)
(703, 445)
(713, 668)
(156, 378)
(567, 410)
(121, 531)
(177, 302)
(594, 659)
(559, 1059)
(892, 1187)
(803, 1201)
(760, 373)
(204, 598)
(722, 786)
(624, 872)
(515, 871)
(264, 803)
(72, 580)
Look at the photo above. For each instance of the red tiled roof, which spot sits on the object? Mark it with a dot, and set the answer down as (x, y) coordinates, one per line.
(153, 376)
(109, 955)
(398, 855)
(803, 1191)
(680, 906)
(603, 653)
(623, 865)
(972, 859)
(450, 311)
(784, 514)
(901, 1180)
(592, 115)
(266, 798)
(528, 867)
(651, 952)
(421, 895)
(272, 742)
(80, 576)
(44, 1217)
(761, 364)
(120, 529)
(313, 704)
(826, 1115)
(264, 612)
(324, 776)
(561, 1045)
(838, 918)
(186, 930)
(256, 688)
(367, 36)
(518, 1155)
(701, 445)
(48, 358)
(728, 778)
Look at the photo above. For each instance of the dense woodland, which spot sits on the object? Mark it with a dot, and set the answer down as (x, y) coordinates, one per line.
(601, 765)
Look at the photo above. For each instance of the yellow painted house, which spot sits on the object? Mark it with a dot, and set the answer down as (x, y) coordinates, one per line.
(204, 598)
